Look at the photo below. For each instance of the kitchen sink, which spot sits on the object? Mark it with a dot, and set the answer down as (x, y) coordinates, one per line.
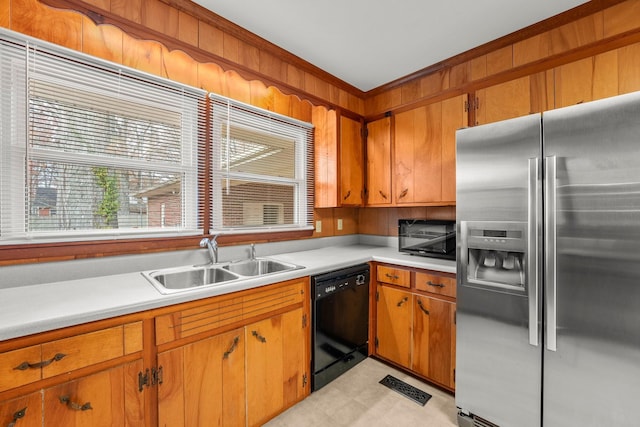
(178, 279)
(259, 267)
(171, 280)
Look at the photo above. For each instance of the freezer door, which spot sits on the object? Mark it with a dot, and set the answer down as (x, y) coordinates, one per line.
(592, 231)
(499, 208)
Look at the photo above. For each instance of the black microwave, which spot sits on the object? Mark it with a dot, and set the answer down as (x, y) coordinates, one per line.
(425, 237)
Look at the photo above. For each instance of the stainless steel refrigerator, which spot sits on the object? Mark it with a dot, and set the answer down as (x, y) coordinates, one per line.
(548, 309)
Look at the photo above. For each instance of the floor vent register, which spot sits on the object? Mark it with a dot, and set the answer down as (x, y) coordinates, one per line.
(406, 390)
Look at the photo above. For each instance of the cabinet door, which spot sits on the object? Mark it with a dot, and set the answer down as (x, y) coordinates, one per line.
(351, 163)
(418, 155)
(379, 162)
(432, 339)
(325, 151)
(393, 328)
(586, 80)
(276, 365)
(109, 398)
(454, 117)
(204, 383)
(503, 101)
(23, 412)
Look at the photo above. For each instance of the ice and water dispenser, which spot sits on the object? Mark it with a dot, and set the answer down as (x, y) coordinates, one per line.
(495, 255)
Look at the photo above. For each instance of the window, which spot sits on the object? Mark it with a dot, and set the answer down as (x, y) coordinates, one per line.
(262, 168)
(90, 148)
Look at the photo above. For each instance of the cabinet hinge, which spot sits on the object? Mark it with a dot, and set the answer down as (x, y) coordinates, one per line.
(156, 374)
(304, 321)
(304, 380)
(143, 380)
(471, 104)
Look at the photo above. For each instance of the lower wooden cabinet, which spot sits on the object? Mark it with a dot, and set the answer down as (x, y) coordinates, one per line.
(22, 412)
(109, 398)
(416, 329)
(204, 382)
(276, 367)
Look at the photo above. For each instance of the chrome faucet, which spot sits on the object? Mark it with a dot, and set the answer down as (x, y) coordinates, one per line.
(212, 246)
(252, 250)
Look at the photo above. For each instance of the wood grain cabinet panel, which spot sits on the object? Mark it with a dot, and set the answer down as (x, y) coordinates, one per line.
(351, 163)
(393, 325)
(204, 382)
(20, 367)
(379, 162)
(24, 411)
(436, 284)
(393, 276)
(98, 400)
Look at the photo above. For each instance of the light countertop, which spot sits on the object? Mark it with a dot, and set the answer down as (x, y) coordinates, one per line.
(25, 310)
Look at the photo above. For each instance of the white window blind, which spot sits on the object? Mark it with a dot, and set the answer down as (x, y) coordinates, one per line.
(262, 169)
(91, 148)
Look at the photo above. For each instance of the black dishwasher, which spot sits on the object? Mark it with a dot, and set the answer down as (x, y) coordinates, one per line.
(340, 322)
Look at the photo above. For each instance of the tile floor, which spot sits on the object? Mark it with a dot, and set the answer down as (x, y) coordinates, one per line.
(356, 399)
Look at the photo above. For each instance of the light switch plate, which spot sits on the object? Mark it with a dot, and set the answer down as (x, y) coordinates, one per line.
(340, 224)
(318, 226)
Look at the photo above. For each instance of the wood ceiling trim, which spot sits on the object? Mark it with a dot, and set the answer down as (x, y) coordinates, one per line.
(551, 23)
(139, 31)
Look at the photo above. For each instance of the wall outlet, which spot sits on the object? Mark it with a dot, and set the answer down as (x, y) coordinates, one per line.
(340, 224)
(318, 226)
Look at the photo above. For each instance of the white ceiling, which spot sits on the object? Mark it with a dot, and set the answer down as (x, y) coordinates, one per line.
(368, 43)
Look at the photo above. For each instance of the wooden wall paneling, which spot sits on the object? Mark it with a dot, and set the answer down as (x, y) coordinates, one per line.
(128, 9)
(236, 87)
(301, 109)
(373, 221)
(142, 55)
(621, 18)
(410, 92)
(272, 66)
(605, 75)
(383, 102)
(102, 4)
(179, 67)
(211, 77)
(324, 215)
(628, 68)
(160, 17)
(231, 48)
(441, 212)
(349, 217)
(187, 28)
(260, 95)
(500, 60)
(460, 74)
(60, 27)
(478, 67)
(103, 41)
(576, 34)
(434, 83)
(280, 102)
(531, 49)
(5, 13)
(210, 39)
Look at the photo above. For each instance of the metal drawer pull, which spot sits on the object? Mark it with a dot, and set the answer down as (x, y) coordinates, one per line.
(258, 336)
(402, 301)
(26, 365)
(75, 406)
(437, 285)
(232, 348)
(392, 276)
(16, 416)
(422, 307)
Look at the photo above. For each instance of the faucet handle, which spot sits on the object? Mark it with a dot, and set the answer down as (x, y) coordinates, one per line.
(253, 250)
(204, 242)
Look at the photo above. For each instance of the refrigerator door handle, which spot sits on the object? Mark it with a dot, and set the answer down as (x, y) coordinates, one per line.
(532, 249)
(550, 252)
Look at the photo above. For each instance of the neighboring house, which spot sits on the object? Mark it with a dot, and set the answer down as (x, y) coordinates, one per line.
(163, 204)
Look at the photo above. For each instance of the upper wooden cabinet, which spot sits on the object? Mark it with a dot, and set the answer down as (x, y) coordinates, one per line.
(339, 160)
(351, 163)
(424, 152)
(379, 162)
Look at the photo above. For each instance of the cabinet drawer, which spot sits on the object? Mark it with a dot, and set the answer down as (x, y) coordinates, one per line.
(228, 309)
(19, 367)
(82, 350)
(436, 284)
(394, 276)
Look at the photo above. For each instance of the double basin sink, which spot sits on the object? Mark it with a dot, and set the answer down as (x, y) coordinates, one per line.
(179, 279)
